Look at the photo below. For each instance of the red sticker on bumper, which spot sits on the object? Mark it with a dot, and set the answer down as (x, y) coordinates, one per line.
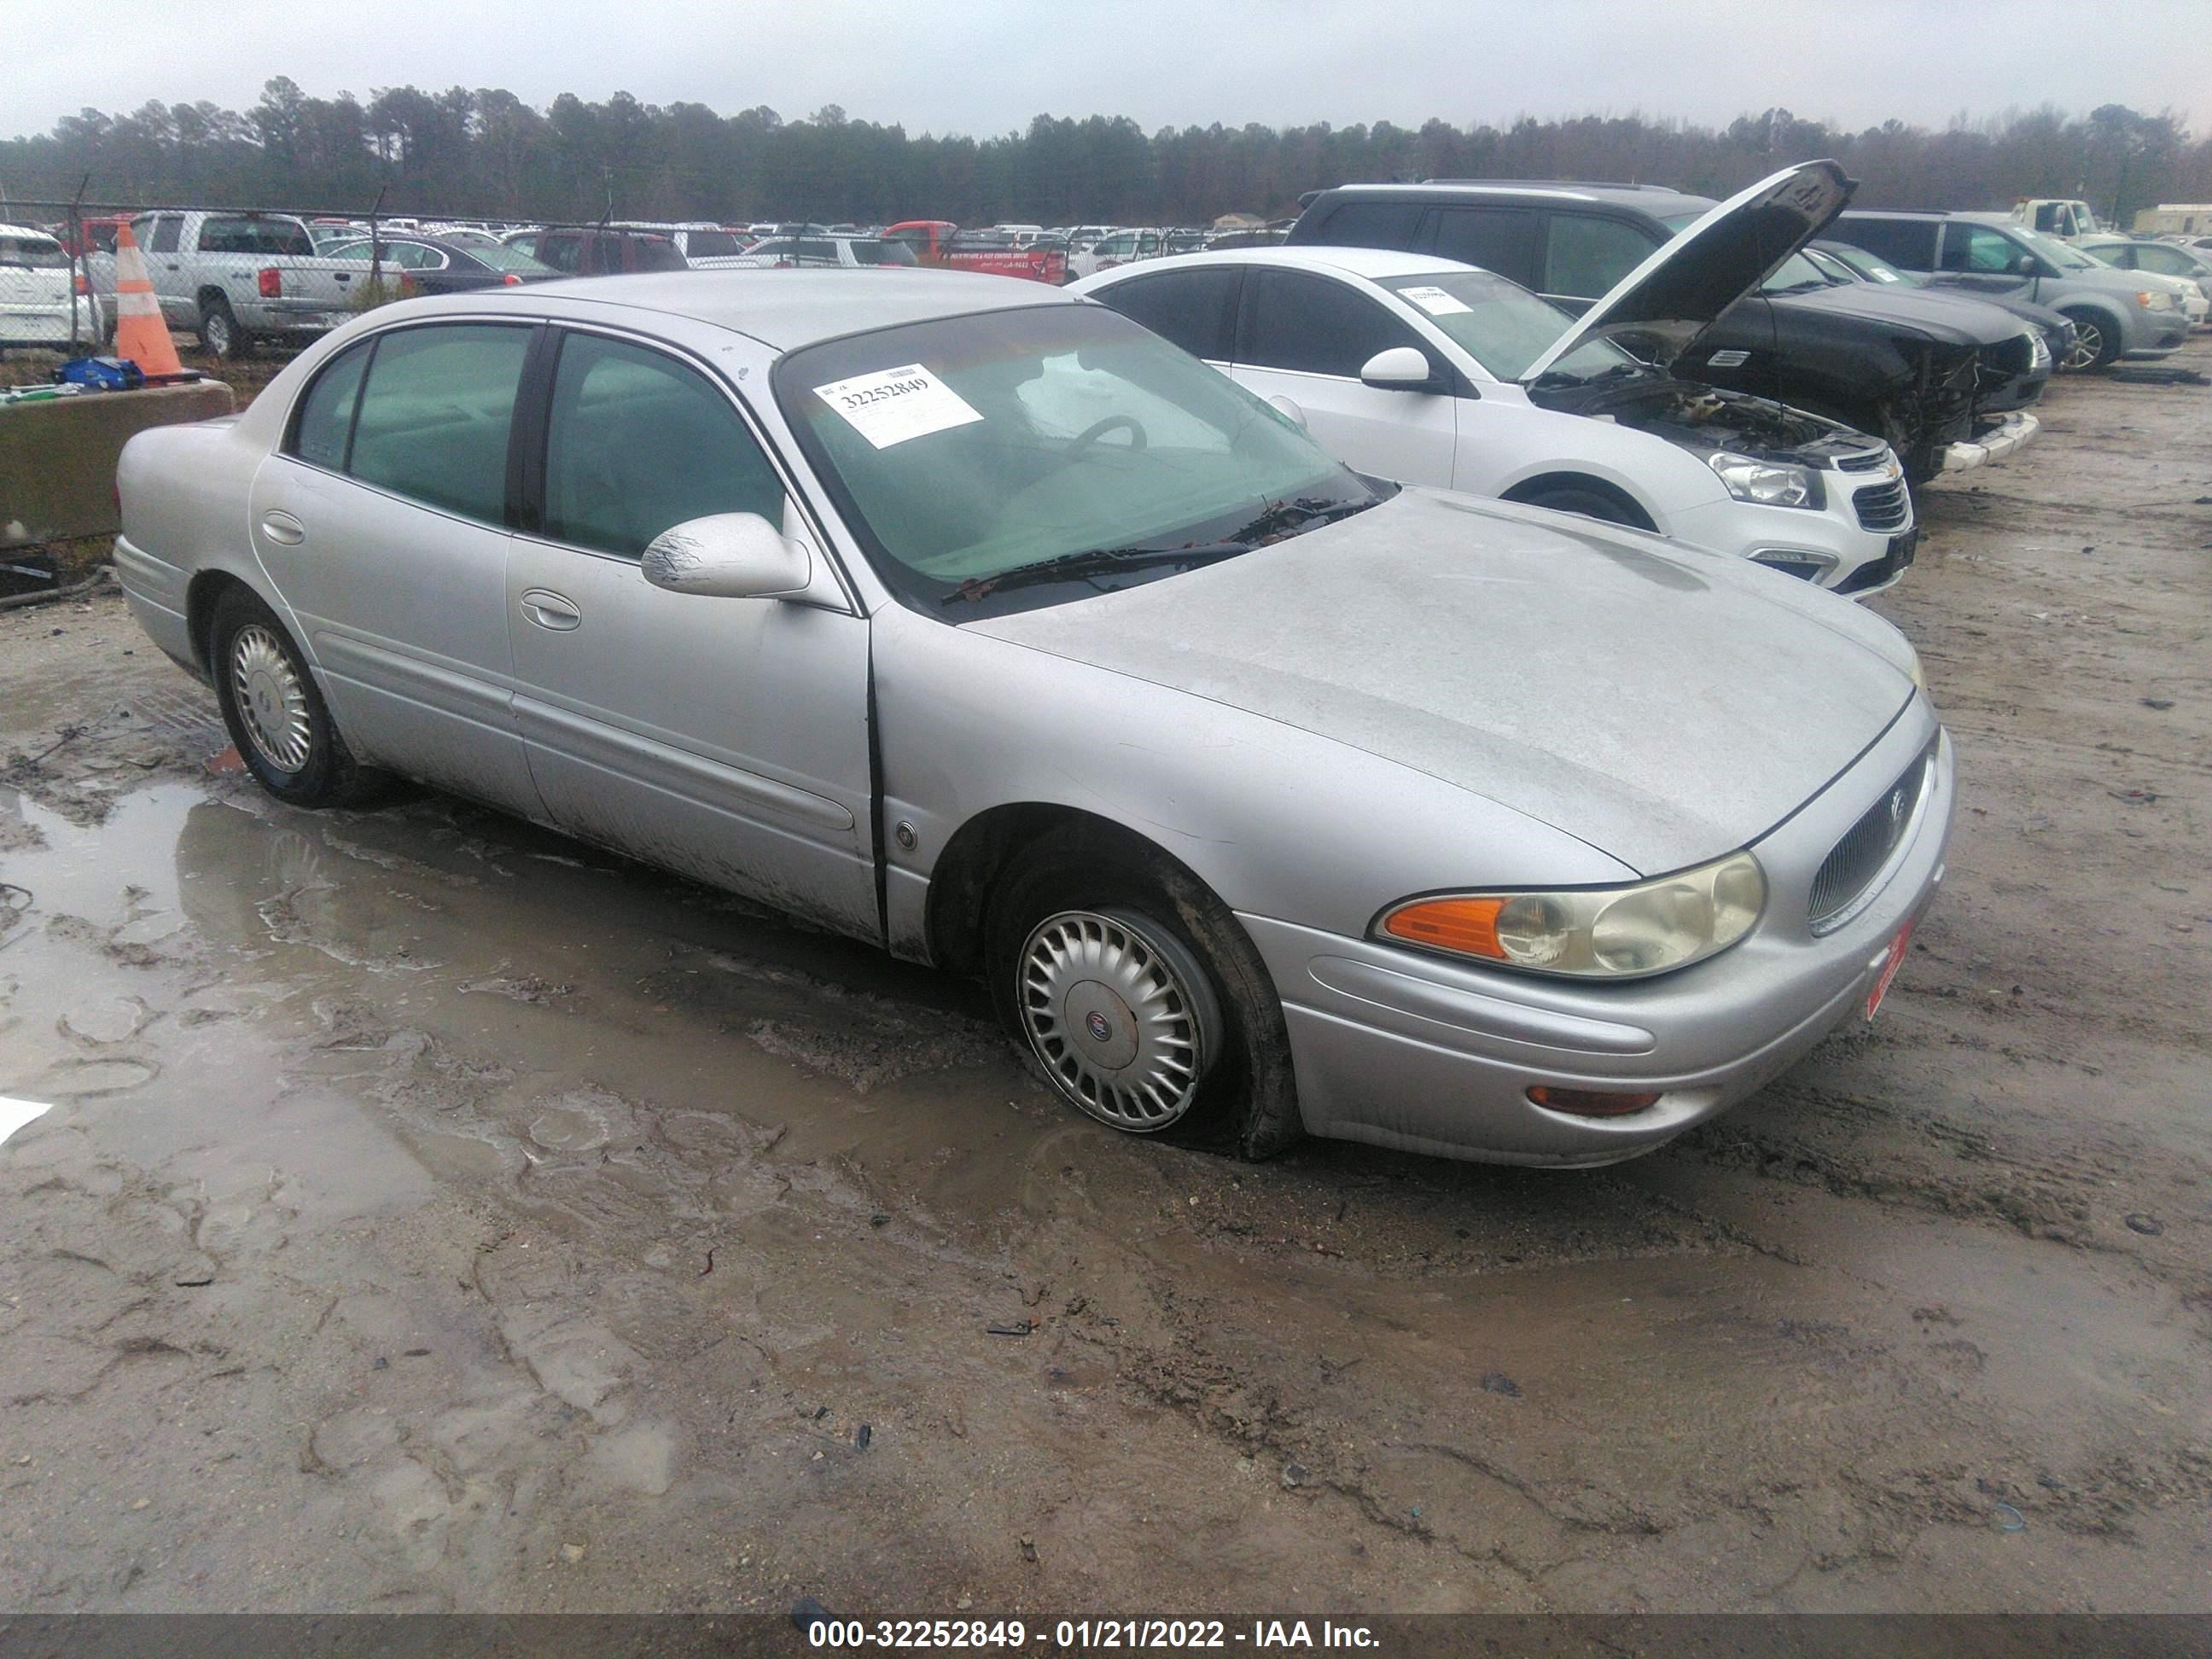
(1891, 964)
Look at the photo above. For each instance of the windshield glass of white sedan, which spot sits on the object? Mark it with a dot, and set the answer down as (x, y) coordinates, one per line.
(1500, 324)
(969, 447)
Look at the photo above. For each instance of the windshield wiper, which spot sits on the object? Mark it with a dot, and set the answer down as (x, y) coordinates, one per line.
(1091, 562)
(1278, 520)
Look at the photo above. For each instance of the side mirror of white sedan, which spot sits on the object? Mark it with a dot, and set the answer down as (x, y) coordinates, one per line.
(729, 556)
(1400, 368)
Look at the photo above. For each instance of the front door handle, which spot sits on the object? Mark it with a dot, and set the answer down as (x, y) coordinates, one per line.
(281, 526)
(549, 610)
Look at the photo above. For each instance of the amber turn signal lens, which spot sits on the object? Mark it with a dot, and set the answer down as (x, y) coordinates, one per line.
(1468, 926)
(1590, 1102)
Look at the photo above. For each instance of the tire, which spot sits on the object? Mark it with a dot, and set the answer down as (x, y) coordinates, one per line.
(1088, 919)
(220, 337)
(275, 712)
(1590, 504)
(2096, 342)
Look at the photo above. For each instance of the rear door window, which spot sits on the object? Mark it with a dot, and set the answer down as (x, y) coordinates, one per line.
(1370, 224)
(1982, 248)
(1195, 309)
(1502, 240)
(1313, 325)
(710, 244)
(637, 442)
(435, 416)
(562, 252)
(1586, 255)
(1908, 243)
(166, 227)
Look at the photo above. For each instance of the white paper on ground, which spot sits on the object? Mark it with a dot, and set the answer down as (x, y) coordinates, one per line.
(15, 1114)
(1435, 301)
(897, 404)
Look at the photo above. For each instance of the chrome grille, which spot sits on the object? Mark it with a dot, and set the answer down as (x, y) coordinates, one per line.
(1858, 857)
(1883, 506)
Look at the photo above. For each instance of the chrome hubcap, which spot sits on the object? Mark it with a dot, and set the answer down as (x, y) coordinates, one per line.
(1120, 1015)
(2088, 341)
(272, 704)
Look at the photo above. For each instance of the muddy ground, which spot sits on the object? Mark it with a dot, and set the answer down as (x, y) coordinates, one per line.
(436, 1214)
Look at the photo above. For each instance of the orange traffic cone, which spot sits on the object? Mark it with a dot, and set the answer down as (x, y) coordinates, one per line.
(140, 333)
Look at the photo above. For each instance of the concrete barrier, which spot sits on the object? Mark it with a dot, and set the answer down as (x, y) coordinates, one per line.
(58, 457)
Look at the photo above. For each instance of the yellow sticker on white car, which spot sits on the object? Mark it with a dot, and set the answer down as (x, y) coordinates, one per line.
(897, 404)
(1435, 301)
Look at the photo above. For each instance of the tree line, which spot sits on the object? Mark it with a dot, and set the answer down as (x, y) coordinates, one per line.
(486, 153)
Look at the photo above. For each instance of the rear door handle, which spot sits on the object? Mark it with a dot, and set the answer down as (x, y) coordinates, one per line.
(281, 526)
(549, 610)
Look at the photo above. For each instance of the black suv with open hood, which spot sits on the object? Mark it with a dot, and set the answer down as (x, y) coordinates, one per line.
(1611, 254)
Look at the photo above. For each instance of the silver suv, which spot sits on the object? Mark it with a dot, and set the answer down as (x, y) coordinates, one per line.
(2114, 314)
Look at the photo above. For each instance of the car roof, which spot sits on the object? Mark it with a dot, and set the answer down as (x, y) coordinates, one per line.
(1652, 200)
(27, 230)
(1373, 263)
(786, 309)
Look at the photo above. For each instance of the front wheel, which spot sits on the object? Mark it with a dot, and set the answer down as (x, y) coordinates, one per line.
(1137, 995)
(275, 712)
(1589, 503)
(2096, 342)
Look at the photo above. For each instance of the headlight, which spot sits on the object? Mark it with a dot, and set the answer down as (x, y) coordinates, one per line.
(1770, 483)
(1610, 933)
(1919, 674)
(2154, 301)
(2038, 354)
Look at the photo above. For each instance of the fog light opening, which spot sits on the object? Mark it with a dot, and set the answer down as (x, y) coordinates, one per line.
(1591, 1102)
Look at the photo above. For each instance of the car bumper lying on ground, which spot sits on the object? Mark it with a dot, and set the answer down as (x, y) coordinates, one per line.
(1993, 442)
(1418, 1053)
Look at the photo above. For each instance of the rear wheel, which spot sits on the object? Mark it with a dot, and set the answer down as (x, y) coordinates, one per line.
(1137, 996)
(220, 337)
(275, 712)
(2096, 342)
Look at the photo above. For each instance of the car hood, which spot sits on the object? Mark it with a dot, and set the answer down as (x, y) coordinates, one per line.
(1664, 704)
(1954, 319)
(1679, 292)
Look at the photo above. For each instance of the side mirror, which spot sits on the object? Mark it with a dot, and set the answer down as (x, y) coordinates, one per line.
(729, 556)
(1288, 409)
(1400, 368)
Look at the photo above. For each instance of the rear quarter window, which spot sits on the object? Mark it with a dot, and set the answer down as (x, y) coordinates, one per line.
(1193, 309)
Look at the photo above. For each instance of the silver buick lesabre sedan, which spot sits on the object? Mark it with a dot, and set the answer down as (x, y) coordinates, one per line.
(974, 620)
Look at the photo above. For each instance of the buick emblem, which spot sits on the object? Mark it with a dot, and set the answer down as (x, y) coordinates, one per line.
(1095, 1024)
(1896, 807)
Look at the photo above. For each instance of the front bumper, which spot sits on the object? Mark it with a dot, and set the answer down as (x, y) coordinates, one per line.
(1993, 442)
(1402, 1049)
(1839, 546)
(2157, 333)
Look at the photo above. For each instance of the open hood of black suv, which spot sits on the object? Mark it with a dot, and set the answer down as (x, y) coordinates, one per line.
(1684, 287)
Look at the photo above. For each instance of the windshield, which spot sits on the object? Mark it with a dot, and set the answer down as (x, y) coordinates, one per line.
(964, 449)
(1794, 274)
(1501, 325)
(2059, 254)
(1858, 259)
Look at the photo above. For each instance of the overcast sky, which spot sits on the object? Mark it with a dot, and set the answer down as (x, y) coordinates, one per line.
(987, 66)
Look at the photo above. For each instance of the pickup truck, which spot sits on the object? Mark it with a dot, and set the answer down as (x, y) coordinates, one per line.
(941, 243)
(234, 276)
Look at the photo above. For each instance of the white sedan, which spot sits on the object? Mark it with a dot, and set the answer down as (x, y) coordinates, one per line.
(1409, 367)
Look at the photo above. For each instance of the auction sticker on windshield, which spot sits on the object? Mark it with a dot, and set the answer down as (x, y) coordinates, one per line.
(1435, 301)
(897, 404)
(1891, 964)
